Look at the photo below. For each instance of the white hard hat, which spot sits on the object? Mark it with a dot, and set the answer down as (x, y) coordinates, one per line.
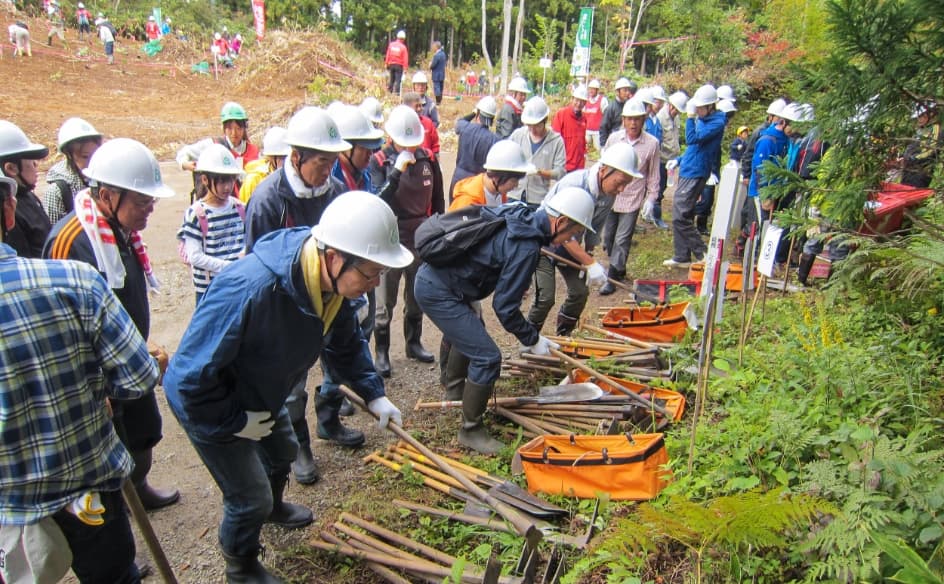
(404, 127)
(334, 108)
(621, 157)
(797, 112)
(373, 109)
(217, 36)
(357, 129)
(274, 144)
(535, 111)
(644, 95)
(127, 164)
(806, 112)
(519, 84)
(15, 144)
(633, 108)
(776, 106)
(679, 100)
(507, 156)
(420, 77)
(313, 128)
(363, 225)
(594, 84)
(76, 129)
(217, 159)
(151, 18)
(487, 106)
(401, 34)
(726, 106)
(726, 92)
(580, 92)
(656, 92)
(705, 95)
(81, 5)
(574, 203)
(622, 83)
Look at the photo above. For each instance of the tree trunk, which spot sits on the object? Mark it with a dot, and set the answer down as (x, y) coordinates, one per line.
(488, 61)
(506, 40)
(564, 42)
(519, 34)
(452, 40)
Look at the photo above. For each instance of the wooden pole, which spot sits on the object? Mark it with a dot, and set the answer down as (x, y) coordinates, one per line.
(150, 538)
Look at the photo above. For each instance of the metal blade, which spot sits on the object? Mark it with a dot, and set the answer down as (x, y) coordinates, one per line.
(569, 392)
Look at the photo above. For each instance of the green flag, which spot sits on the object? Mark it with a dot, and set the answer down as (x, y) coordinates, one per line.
(580, 65)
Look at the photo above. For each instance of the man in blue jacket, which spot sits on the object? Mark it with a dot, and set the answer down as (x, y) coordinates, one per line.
(438, 69)
(704, 129)
(502, 265)
(263, 323)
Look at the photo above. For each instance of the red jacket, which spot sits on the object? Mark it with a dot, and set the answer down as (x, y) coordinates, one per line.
(152, 30)
(430, 136)
(573, 129)
(593, 112)
(397, 54)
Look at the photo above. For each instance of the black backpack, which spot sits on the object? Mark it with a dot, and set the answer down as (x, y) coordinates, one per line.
(445, 239)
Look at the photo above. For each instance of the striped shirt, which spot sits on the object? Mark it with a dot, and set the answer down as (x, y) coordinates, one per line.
(67, 344)
(223, 243)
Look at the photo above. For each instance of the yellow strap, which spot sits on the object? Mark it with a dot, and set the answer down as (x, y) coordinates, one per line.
(311, 271)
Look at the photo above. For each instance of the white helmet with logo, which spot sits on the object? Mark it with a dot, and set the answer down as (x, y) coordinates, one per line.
(15, 144)
(128, 164)
(621, 157)
(217, 159)
(535, 111)
(574, 203)
(507, 156)
(357, 129)
(705, 95)
(274, 144)
(487, 107)
(404, 127)
(313, 129)
(363, 225)
(633, 108)
(76, 129)
(519, 84)
(419, 77)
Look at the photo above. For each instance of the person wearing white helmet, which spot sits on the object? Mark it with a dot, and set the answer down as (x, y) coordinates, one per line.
(593, 113)
(57, 24)
(509, 118)
(373, 109)
(104, 231)
(704, 130)
(613, 114)
(151, 29)
(639, 194)
(543, 148)
(571, 124)
(669, 149)
(604, 180)
(106, 34)
(351, 167)
(654, 97)
(429, 109)
(505, 166)
(502, 267)
(213, 230)
(437, 69)
(773, 113)
(84, 19)
(475, 140)
(397, 60)
(264, 322)
(274, 151)
(726, 92)
(408, 178)
(706, 203)
(414, 100)
(78, 140)
(297, 195)
(19, 160)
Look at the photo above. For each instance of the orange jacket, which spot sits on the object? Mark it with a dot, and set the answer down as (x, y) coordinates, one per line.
(470, 191)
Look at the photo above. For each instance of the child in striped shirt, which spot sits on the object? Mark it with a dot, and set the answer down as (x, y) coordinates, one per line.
(213, 232)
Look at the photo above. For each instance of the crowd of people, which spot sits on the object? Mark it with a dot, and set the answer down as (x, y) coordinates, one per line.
(297, 250)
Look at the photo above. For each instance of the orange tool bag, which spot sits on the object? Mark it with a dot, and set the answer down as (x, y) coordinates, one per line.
(733, 282)
(627, 467)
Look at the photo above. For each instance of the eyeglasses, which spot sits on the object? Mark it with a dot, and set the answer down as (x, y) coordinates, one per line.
(371, 278)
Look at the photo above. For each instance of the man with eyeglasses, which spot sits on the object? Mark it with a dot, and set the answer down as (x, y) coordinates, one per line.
(296, 195)
(262, 325)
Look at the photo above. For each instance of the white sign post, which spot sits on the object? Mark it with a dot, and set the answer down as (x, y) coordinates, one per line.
(721, 220)
(768, 250)
(545, 64)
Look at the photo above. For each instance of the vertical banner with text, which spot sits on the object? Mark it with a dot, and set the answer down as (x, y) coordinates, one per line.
(258, 17)
(580, 65)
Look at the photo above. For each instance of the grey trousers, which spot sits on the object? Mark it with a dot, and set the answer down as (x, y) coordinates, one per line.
(544, 288)
(618, 237)
(686, 242)
(601, 210)
(387, 294)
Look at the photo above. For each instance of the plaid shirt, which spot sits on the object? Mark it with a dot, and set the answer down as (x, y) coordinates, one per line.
(66, 344)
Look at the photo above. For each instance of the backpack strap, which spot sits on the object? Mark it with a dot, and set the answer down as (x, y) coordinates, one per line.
(65, 190)
(200, 213)
(240, 208)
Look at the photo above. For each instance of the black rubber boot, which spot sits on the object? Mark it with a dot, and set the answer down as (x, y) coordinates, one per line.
(150, 497)
(287, 515)
(328, 408)
(382, 351)
(457, 365)
(701, 224)
(473, 433)
(413, 332)
(347, 409)
(609, 287)
(565, 324)
(304, 467)
(247, 570)
(806, 264)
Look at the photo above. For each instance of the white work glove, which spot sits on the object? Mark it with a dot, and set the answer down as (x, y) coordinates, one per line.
(647, 209)
(258, 426)
(88, 508)
(690, 109)
(385, 411)
(596, 274)
(404, 159)
(712, 180)
(542, 347)
(671, 165)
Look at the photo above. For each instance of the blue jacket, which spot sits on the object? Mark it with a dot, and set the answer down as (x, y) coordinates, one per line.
(438, 66)
(703, 145)
(654, 127)
(503, 265)
(274, 206)
(771, 145)
(254, 335)
(363, 179)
